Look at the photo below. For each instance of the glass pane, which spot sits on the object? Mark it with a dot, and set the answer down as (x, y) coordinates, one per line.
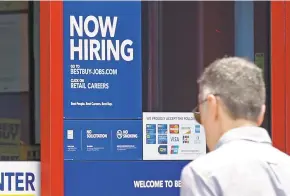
(17, 140)
(181, 38)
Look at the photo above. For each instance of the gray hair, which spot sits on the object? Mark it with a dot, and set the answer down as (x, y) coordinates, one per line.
(239, 83)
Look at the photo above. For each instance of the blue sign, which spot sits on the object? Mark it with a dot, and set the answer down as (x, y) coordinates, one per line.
(102, 60)
(103, 140)
(162, 129)
(154, 178)
(197, 129)
(102, 94)
(150, 134)
(162, 149)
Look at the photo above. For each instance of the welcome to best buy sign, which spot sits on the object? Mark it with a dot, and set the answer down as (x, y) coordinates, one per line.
(19, 179)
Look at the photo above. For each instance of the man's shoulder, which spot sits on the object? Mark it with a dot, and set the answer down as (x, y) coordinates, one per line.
(230, 157)
(227, 156)
(207, 164)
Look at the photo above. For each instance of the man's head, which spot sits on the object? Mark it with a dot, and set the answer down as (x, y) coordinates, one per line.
(232, 94)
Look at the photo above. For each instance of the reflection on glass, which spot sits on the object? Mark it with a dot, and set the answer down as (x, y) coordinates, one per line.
(181, 38)
(17, 131)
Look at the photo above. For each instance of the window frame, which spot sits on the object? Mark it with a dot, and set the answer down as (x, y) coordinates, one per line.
(287, 64)
(278, 78)
(31, 65)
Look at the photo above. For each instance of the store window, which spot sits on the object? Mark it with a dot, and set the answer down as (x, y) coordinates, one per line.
(179, 40)
(17, 83)
(184, 37)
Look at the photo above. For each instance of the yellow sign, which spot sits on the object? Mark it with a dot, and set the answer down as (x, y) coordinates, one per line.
(10, 131)
(9, 153)
(19, 153)
(260, 60)
(30, 153)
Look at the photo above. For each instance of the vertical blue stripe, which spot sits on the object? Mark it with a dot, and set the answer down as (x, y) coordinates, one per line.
(244, 29)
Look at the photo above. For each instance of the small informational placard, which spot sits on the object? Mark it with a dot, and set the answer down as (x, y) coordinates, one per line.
(102, 140)
(172, 136)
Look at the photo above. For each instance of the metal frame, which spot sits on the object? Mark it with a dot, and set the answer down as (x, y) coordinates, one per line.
(278, 77)
(51, 96)
(287, 72)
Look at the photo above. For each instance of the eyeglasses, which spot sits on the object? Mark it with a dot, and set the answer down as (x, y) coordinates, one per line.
(195, 111)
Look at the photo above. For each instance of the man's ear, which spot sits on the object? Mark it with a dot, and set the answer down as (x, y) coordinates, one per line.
(261, 116)
(212, 105)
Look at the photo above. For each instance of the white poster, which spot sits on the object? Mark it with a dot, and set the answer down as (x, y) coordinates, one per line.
(172, 136)
(20, 178)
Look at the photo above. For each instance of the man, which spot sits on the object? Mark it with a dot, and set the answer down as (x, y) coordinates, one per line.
(242, 161)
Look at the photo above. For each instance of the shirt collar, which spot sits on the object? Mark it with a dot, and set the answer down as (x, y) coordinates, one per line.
(249, 133)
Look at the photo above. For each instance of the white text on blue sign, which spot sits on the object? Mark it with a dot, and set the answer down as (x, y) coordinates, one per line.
(96, 41)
